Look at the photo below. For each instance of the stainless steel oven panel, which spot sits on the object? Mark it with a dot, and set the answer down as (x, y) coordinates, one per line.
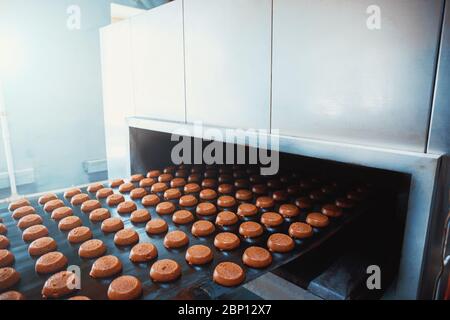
(335, 79)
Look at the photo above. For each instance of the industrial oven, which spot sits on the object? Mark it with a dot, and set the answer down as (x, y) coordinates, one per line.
(329, 85)
(348, 99)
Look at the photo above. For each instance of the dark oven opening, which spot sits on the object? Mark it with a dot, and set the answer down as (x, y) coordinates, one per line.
(345, 264)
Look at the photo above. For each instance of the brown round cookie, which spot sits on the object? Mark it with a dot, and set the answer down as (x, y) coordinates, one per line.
(126, 187)
(171, 194)
(78, 199)
(317, 220)
(293, 190)
(146, 182)
(271, 219)
(206, 209)
(4, 242)
(265, 202)
(210, 174)
(92, 249)
(46, 198)
(114, 200)
(150, 200)
(140, 216)
(194, 178)
(257, 257)
(93, 188)
(226, 201)
(42, 246)
(165, 270)
(72, 192)
(247, 210)
(165, 208)
(191, 188)
(116, 183)
(288, 210)
(165, 177)
(228, 274)
(225, 188)
(241, 183)
(274, 184)
(126, 237)
(104, 193)
(34, 232)
(3, 229)
(138, 193)
(182, 217)
(6, 258)
(303, 203)
(12, 296)
(225, 179)
(23, 211)
(99, 214)
(69, 223)
(345, 203)
(17, 204)
(51, 262)
(175, 239)
(316, 195)
(53, 204)
(79, 234)
(226, 218)
(202, 228)
(177, 183)
(244, 195)
(112, 225)
(8, 278)
(199, 255)
(61, 213)
(280, 242)
(125, 288)
(188, 201)
(259, 189)
(280, 196)
(159, 187)
(136, 177)
(105, 267)
(60, 284)
(250, 229)
(156, 226)
(153, 174)
(226, 241)
(90, 205)
(300, 230)
(78, 298)
(143, 252)
(331, 210)
(126, 207)
(208, 194)
(209, 183)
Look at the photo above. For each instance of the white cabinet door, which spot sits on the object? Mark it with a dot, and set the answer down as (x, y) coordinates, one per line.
(228, 62)
(158, 62)
(118, 94)
(358, 73)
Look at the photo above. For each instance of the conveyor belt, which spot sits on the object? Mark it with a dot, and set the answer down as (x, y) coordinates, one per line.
(195, 282)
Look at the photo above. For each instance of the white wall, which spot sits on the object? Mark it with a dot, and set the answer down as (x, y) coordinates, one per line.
(53, 91)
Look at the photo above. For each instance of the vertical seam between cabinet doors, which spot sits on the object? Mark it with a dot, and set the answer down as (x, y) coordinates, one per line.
(435, 77)
(184, 62)
(271, 67)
